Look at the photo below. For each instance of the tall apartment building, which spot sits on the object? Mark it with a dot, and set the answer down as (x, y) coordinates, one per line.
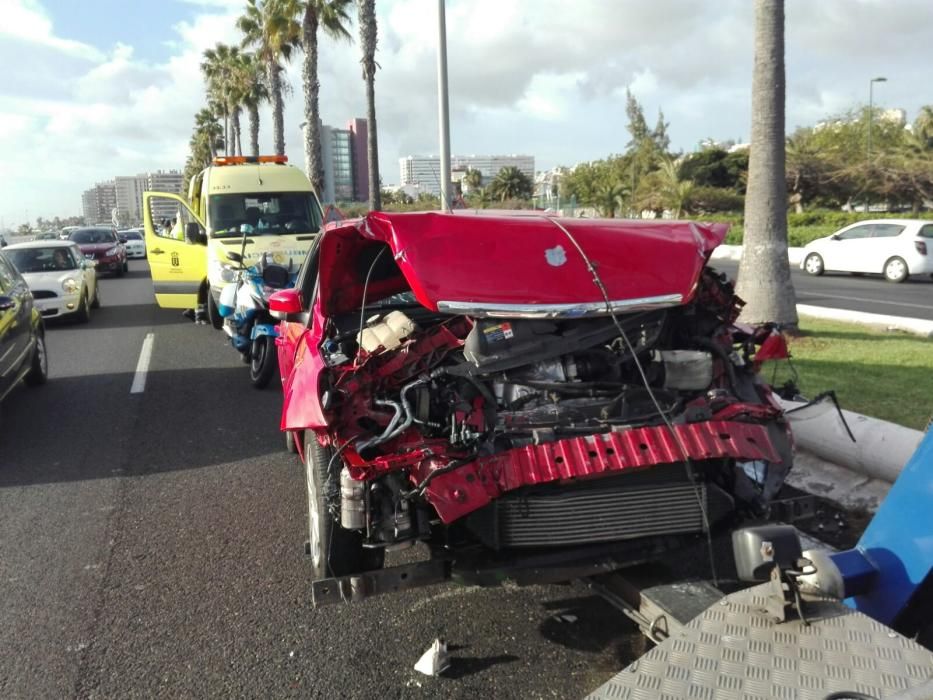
(425, 171)
(130, 190)
(359, 152)
(336, 154)
(164, 181)
(99, 202)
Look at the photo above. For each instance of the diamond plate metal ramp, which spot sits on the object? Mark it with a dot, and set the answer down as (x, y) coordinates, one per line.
(734, 651)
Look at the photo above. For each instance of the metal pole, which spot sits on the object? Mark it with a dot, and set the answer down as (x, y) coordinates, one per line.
(871, 119)
(442, 104)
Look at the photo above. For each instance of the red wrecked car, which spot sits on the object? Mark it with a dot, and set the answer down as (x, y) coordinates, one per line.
(523, 393)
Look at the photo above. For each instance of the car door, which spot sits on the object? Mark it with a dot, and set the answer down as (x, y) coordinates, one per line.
(15, 309)
(882, 245)
(178, 265)
(849, 250)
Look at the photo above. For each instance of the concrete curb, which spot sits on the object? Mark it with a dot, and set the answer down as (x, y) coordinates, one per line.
(881, 448)
(734, 253)
(913, 325)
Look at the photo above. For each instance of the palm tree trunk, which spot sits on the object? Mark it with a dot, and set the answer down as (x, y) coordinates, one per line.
(226, 133)
(368, 37)
(764, 273)
(254, 129)
(237, 145)
(278, 108)
(313, 159)
(372, 146)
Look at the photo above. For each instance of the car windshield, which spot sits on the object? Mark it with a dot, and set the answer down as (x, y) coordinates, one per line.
(132, 236)
(232, 215)
(92, 235)
(41, 259)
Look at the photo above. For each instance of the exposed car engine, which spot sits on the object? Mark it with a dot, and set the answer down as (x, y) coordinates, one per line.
(432, 413)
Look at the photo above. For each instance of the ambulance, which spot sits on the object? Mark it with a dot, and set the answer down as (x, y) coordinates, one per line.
(253, 204)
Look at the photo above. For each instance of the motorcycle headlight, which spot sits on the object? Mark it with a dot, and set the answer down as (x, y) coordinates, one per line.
(112, 251)
(228, 273)
(70, 286)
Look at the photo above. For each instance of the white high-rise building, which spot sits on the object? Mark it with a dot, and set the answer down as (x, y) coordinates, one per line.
(99, 202)
(130, 190)
(164, 181)
(425, 171)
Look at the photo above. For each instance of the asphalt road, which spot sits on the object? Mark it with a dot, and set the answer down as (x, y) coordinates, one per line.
(151, 544)
(870, 293)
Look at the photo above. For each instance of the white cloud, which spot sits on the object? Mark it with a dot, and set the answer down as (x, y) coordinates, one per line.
(27, 21)
(545, 77)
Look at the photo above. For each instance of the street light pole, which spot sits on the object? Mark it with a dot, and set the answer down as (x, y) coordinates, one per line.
(442, 105)
(871, 118)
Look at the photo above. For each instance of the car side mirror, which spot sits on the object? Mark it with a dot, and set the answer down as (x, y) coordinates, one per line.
(123, 239)
(235, 257)
(7, 303)
(193, 233)
(835, 237)
(284, 303)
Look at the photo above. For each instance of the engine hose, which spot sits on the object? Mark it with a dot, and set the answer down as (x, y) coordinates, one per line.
(387, 433)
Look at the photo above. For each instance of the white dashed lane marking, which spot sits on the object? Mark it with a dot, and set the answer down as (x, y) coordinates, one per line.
(142, 367)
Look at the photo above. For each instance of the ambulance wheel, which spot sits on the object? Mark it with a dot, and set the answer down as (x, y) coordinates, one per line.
(213, 313)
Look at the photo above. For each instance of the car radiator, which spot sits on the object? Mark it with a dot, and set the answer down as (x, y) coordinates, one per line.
(659, 501)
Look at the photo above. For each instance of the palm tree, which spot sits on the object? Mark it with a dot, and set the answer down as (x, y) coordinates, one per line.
(610, 198)
(511, 183)
(271, 28)
(251, 82)
(764, 273)
(675, 192)
(205, 122)
(218, 68)
(473, 179)
(366, 9)
(331, 16)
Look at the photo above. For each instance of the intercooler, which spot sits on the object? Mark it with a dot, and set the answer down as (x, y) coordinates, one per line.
(658, 501)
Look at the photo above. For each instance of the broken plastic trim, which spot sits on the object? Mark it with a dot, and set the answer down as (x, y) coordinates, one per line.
(594, 308)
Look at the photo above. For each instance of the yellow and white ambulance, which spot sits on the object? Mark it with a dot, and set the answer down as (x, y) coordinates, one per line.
(260, 202)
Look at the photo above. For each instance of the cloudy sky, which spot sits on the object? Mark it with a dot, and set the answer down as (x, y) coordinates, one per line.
(99, 88)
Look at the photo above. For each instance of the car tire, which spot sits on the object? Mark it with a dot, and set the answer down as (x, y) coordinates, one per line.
(39, 372)
(334, 551)
(126, 265)
(290, 445)
(213, 313)
(895, 270)
(262, 361)
(96, 303)
(83, 314)
(119, 271)
(813, 264)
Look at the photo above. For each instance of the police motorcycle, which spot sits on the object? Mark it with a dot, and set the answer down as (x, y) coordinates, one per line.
(244, 306)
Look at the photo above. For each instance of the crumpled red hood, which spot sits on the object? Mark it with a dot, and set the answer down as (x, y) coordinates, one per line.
(452, 260)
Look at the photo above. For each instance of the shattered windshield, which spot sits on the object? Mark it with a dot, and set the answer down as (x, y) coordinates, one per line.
(263, 214)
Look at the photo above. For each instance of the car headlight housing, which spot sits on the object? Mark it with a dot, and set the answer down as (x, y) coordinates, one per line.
(70, 286)
(112, 251)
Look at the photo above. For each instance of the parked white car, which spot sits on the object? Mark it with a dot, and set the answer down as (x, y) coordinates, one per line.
(135, 244)
(62, 281)
(895, 248)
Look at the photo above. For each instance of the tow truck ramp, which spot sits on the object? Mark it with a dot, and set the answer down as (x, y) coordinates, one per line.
(734, 650)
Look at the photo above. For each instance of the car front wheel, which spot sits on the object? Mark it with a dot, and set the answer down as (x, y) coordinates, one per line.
(84, 309)
(334, 551)
(895, 270)
(39, 372)
(813, 264)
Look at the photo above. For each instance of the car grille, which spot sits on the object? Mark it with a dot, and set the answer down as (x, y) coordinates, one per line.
(43, 294)
(657, 501)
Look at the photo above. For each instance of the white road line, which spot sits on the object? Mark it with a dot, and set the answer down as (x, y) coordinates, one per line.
(142, 367)
(873, 301)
